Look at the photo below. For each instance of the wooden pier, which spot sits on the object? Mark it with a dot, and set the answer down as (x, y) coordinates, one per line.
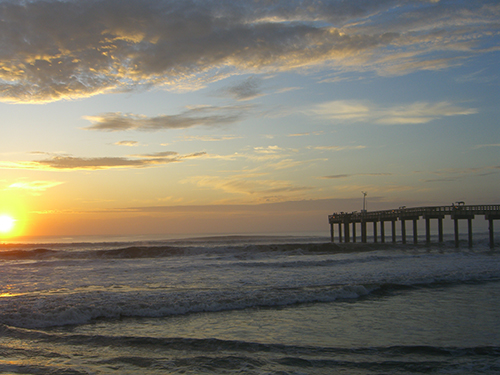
(456, 212)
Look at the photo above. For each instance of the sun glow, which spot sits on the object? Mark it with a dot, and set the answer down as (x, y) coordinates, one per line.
(7, 224)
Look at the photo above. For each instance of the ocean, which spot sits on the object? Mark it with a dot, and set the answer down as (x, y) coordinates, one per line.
(249, 305)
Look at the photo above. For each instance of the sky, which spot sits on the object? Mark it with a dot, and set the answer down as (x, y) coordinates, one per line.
(128, 117)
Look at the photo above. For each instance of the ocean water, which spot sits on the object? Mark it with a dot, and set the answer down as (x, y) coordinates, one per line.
(249, 305)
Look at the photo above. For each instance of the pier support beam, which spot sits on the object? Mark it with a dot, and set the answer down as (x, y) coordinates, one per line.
(375, 231)
(331, 231)
(428, 218)
(340, 232)
(403, 227)
(456, 232)
(382, 232)
(353, 231)
(427, 231)
(403, 231)
(469, 227)
(440, 229)
(490, 218)
(415, 232)
(363, 231)
(492, 237)
(461, 216)
(393, 231)
(347, 236)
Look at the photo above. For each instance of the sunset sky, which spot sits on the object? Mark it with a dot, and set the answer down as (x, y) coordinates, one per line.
(164, 117)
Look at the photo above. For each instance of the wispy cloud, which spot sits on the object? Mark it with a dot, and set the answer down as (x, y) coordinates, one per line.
(287, 89)
(305, 134)
(487, 145)
(210, 138)
(56, 50)
(456, 174)
(127, 143)
(343, 111)
(340, 176)
(246, 90)
(34, 187)
(67, 163)
(337, 148)
(208, 116)
(257, 190)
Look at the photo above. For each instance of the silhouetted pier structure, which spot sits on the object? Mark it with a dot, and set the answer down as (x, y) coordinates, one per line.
(456, 212)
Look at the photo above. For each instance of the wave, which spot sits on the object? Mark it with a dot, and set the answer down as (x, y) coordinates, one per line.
(213, 344)
(245, 251)
(80, 308)
(211, 355)
(133, 252)
(84, 307)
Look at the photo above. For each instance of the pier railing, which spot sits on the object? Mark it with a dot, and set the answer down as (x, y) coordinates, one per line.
(457, 212)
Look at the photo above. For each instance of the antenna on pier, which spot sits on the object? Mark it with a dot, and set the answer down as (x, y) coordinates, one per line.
(364, 201)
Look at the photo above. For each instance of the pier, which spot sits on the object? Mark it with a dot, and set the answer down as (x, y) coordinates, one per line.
(456, 212)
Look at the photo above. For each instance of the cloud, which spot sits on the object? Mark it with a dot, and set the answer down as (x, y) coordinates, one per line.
(61, 163)
(258, 190)
(246, 90)
(486, 145)
(477, 77)
(208, 116)
(127, 143)
(337, 148)
(163, 154)
(268, 150)
(35, 187)
(287, 89)
(408, 114)
(456, 174)
(339, 176)
(290, 163)
(305, 134)
(53, 50)
(209, 138)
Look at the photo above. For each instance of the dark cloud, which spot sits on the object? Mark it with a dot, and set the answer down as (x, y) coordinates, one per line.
(79, 163)
(248, 89)
(197, 116)
(334, 176)
(52, 50)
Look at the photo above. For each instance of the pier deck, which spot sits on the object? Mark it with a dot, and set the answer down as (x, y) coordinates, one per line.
(403, 214)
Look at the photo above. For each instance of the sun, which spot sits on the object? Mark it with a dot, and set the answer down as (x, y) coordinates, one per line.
(7, 224)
